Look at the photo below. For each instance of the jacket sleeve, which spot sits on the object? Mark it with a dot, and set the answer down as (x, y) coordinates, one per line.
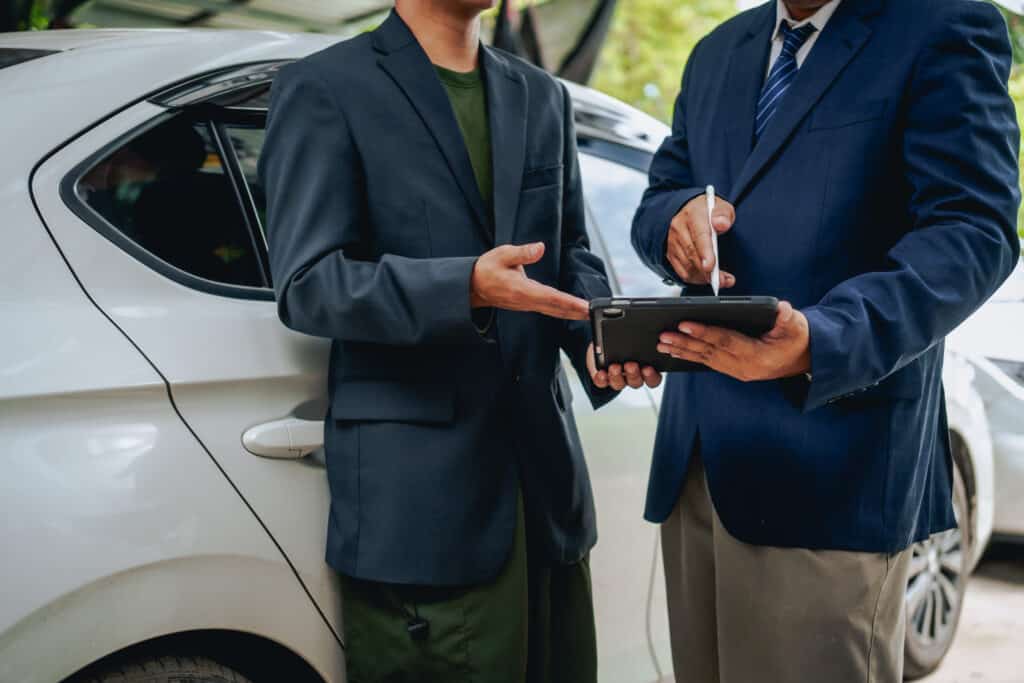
(960, 147)
(316, 210)
(582, 273)
(671, 186)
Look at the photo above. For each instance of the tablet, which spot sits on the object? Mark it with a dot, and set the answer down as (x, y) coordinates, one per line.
(628, 329)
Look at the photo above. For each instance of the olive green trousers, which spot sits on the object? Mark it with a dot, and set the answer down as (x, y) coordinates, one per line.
(534, 623)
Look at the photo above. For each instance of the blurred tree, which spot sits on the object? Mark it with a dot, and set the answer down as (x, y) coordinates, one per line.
(648, 45)
(26, 15)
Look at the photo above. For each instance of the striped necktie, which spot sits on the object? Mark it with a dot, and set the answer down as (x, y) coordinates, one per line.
(782, 74)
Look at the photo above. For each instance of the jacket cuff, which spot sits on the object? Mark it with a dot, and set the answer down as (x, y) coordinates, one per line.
(830, 378)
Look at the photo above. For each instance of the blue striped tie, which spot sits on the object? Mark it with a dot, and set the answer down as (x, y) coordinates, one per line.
(782, 74)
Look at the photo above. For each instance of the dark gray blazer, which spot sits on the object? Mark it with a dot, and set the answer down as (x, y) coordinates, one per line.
(374, 224)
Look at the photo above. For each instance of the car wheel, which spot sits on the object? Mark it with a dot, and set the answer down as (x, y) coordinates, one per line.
(935, 590)
(167, 670)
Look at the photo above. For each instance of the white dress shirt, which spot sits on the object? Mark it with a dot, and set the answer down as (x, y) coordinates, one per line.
(818, 20)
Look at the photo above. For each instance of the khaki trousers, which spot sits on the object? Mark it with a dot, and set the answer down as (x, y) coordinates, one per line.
(740, 613)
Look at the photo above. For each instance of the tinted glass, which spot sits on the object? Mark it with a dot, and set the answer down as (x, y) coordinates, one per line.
(613, 192)
(248, 142)
(10, 56)
(167, 191)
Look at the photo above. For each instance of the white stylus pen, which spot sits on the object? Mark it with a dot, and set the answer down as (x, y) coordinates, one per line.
(715, 277)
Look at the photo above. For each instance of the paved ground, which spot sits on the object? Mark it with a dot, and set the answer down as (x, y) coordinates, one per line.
(990, 644)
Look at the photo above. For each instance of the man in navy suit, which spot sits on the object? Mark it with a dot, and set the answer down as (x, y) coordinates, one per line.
(425, 212)
(866, 152)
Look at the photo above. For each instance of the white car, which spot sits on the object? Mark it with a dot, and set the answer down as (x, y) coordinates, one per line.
(163, 502)
(992, 340)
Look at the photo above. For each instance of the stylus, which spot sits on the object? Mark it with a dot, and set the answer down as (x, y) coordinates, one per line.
(715, 276)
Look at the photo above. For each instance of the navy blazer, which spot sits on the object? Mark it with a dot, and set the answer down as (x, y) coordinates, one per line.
(374, 225)
(882, 202)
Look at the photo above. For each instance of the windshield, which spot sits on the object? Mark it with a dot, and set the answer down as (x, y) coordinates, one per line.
(10, 56)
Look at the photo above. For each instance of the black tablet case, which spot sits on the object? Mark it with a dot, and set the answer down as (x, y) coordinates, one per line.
(633, 336)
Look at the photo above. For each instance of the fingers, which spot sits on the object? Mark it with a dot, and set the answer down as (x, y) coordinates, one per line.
(652, 378)
(783, 319)
(549, 301)
(726, 280)
(723, 216)
(633, 377)
(728, 341)
(521, 255)
(684, 256)
(616, 377)
(677, 345)
(700, 233)
(598, 377)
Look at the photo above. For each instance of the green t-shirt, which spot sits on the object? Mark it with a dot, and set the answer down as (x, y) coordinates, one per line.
(469, 100)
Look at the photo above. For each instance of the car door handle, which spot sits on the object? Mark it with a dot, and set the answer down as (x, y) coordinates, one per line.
(289, 438)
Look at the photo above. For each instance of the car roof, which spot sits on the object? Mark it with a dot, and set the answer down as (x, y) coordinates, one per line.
(89, 76)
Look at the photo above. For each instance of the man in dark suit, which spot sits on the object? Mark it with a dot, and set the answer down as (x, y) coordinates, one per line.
(867, 150)
(402, 166)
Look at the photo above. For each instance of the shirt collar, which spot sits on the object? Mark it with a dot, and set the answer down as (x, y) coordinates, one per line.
(818, 19)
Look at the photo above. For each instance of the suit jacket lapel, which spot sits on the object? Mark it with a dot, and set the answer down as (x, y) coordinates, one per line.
(506, 107)
(843, 37)
(742, 87)
(404, 60)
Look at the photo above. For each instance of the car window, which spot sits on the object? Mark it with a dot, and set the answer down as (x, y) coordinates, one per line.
(10, 56)
(167, 190)
(247, 142)
(613, 192)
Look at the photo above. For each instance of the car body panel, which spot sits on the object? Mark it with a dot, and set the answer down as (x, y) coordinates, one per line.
(995, 332)
(117, 526)
(229, 362)
(969, 420)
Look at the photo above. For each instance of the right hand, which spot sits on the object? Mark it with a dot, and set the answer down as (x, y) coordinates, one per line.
(499, 280)
(688, 247)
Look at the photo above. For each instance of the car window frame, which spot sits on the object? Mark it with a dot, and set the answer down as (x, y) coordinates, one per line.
(215, 120)
(194, 97)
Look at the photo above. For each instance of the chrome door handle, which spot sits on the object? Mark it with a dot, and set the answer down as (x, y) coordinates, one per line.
(288, 438)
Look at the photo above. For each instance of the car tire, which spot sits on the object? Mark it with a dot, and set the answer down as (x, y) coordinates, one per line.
(167, 670)
(935, 590)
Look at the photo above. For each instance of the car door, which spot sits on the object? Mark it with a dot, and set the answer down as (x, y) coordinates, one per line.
(618, 440)
(152, 211)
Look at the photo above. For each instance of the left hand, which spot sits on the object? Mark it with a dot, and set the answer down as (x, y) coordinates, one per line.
(784, 351)
(618, 377)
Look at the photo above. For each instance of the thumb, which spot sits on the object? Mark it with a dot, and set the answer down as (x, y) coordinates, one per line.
(783, 321)
(524, 254)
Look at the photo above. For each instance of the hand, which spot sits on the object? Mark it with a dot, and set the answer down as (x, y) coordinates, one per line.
(618, 376)
(688, 246)
(784, 351)
(499, 280)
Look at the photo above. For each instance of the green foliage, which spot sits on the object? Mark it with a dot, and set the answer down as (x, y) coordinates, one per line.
(648, 45)
(650, 40)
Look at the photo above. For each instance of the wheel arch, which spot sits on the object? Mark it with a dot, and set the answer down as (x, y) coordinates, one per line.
(188, 598)
(256, 657)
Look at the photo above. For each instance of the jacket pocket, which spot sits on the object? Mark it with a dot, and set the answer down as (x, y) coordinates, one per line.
(537, 178)
(832, 116)
(384, 401)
